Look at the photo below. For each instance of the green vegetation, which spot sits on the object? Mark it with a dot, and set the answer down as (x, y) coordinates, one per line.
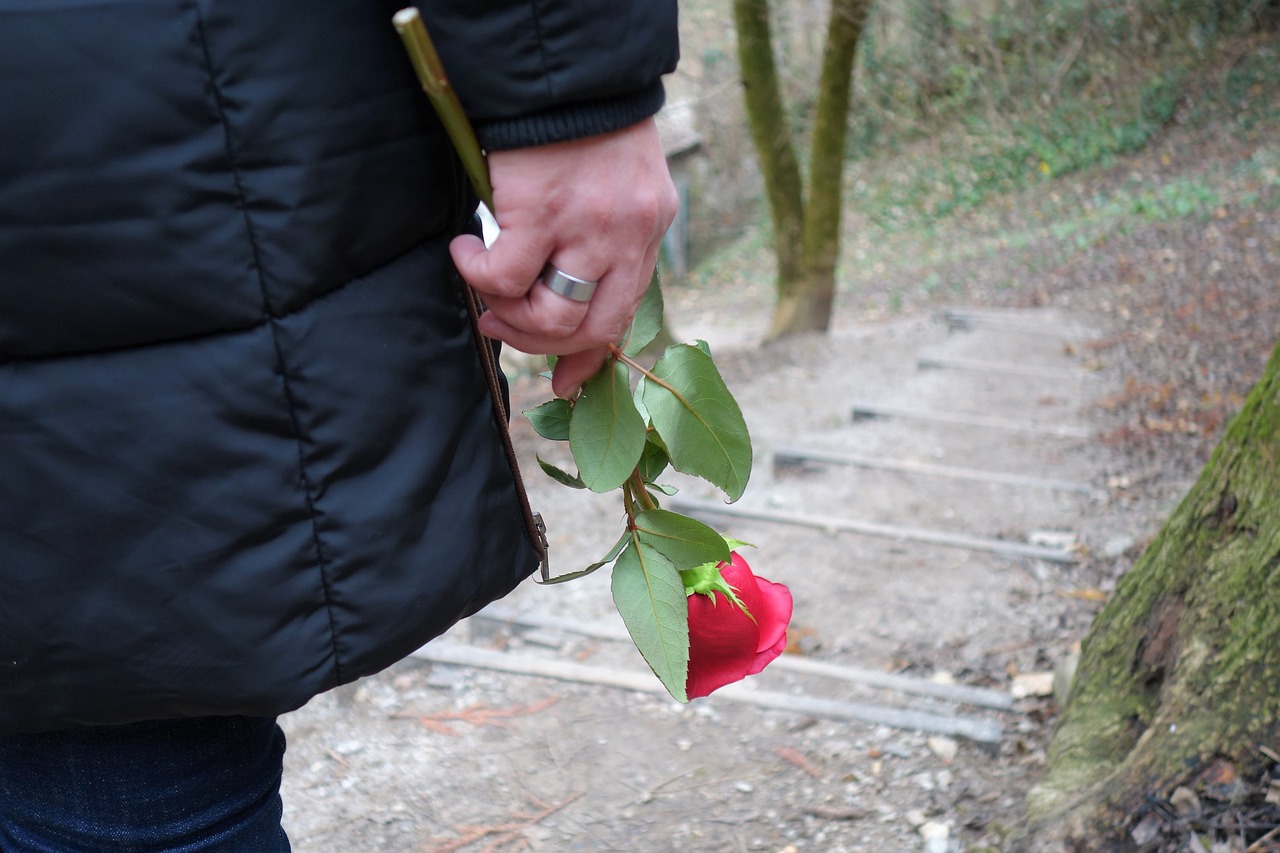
(982, 98)
(981, 127)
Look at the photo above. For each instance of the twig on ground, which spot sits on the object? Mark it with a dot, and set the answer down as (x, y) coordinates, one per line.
(793, 756)
(476, 715)
(499, 834)
(827, 813)
(1257, 846)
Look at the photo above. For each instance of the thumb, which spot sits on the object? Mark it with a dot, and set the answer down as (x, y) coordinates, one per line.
(467, 251)
(573, 370)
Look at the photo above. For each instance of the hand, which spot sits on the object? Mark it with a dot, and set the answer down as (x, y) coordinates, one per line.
(596, 208)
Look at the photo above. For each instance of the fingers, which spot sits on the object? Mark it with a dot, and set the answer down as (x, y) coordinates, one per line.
(509, 267)
(595, 208)
(540, 317)
(545, 322)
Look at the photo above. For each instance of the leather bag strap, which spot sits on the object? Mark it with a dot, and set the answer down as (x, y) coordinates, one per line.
(535, 528)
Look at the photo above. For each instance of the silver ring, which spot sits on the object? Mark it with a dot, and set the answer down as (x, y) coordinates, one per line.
(568, 286)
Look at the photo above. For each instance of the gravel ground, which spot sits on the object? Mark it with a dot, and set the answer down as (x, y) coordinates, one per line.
(1159, 316)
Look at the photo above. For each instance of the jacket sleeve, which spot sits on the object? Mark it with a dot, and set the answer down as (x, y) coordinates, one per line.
(532, 72)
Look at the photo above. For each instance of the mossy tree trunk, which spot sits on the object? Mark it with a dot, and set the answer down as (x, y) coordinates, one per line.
(1182, 666)
(806, 224)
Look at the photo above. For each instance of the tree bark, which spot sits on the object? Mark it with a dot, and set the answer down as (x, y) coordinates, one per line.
(769, 133)
(1181, 669)
(806, 233)
(815, 291)
(804, 303)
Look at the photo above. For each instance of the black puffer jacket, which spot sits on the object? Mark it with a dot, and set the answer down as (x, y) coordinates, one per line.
(246, 450)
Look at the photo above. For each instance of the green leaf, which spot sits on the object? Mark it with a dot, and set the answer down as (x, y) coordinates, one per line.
(684, 541)
(551, 419)
(654, 460)
(570, 576)
(560, 475)
(703, 345)
(649, 595)
(606, 433)
(647, 323)
(698, 419)
(622, 542)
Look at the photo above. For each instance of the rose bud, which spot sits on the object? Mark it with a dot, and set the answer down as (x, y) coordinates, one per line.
(737, 624)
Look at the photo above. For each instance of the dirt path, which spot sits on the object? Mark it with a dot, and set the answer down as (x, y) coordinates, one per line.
(559, 765)
(1184, 310)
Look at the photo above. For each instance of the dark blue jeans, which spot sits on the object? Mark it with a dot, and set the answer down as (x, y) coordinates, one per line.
(205, 785)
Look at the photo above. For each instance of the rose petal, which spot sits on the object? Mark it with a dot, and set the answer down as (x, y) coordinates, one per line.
(770, 603)
(775, 614)
(726, 645)
(722, 643)
(737, 573)
(763, 659)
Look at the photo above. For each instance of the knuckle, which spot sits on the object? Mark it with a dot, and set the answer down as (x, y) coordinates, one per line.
(656, 207)
(497, 288)
(671, 203)
(512, 288)
(608, 332)
(559, 326)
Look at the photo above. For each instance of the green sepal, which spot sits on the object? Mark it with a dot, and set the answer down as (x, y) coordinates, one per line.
(707, 580)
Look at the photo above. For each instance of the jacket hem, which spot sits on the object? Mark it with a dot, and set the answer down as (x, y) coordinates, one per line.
(574, 121)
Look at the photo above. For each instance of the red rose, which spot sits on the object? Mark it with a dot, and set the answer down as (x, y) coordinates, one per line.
(727, 645)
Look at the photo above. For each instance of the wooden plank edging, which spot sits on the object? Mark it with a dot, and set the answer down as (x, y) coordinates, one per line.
(690, 506)
(456, 654)
(785, 455)
(865, 411)
(961, 693)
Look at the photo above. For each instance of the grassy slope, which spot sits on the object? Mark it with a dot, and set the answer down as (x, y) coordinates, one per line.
(930, 221)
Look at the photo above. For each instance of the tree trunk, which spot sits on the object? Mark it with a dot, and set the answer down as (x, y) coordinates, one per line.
(805, 304)
(815, 290)
(1181, 669)
(806, 238)
(769, 133)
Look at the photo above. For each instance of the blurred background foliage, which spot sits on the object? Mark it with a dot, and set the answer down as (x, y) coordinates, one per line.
(958, 103)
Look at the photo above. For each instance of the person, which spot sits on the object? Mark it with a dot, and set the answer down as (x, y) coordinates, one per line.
(247, 451)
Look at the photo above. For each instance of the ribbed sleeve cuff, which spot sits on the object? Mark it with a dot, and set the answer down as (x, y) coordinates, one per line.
(572, 121)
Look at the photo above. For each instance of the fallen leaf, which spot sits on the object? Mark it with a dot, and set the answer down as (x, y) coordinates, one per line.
(1084, 594)
(476, 715)
(1028, 684)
